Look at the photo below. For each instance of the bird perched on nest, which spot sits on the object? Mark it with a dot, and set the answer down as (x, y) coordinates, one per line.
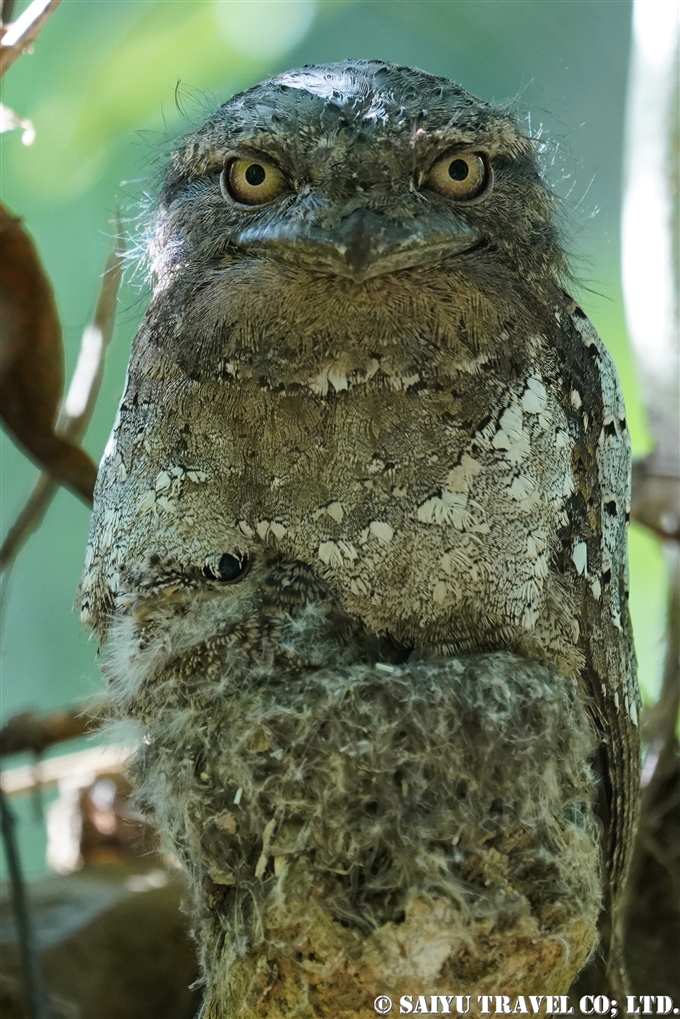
(371, 452)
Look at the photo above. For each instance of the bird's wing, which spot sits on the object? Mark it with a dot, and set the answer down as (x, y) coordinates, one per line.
(595, 548)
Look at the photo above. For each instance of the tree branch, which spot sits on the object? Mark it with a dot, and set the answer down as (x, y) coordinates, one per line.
(32, 732)
(656, 499)
(79, 403)
(35, 988)
(22, 33)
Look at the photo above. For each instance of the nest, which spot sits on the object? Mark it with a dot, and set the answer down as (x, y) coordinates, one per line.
(358, 829)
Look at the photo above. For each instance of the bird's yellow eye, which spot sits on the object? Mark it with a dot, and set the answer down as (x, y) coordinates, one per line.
(462, 176)
(252, 181)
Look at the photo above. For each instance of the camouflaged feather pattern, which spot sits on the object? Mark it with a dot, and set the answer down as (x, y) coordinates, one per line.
(444, 446)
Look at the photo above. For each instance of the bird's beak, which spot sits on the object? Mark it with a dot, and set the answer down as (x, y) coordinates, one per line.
(363, 245)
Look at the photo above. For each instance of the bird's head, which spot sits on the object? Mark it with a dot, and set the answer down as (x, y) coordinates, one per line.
(356, 170)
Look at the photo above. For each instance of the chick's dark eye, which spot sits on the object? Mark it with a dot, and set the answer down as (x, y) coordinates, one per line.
(229, 569)
(464, 177)
(252, 182)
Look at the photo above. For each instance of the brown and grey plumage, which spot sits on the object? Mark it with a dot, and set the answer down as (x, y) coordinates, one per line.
(361, 392)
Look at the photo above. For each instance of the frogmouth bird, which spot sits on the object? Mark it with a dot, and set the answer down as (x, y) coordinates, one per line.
(358, 554)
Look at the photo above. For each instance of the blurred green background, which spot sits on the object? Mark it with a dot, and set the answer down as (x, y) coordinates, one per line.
(100, 89)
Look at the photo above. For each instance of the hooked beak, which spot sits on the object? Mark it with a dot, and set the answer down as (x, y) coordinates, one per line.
(364, 245)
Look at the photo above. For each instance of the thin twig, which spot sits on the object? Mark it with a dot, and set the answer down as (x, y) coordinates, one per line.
(78, 405)
(51, 771)
(22, 33)
(35, 989)
(34, 733)
(656, 499)
(87, 378)
(659, 722)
